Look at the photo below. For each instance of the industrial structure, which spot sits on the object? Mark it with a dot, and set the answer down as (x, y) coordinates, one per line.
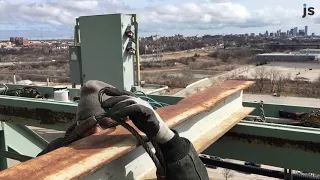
(216, 120)
(310, 51)
(271, 57)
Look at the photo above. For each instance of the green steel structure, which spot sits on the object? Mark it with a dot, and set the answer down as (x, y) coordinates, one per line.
(103, 56)
(285, 146)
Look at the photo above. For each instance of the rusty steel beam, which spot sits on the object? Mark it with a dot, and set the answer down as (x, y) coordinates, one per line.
(114, 153)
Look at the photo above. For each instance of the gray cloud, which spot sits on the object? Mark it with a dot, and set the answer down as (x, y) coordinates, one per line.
(206, 14)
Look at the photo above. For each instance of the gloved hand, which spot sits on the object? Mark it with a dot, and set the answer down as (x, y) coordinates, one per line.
(73, 133)
(77, 130)
(123, 104)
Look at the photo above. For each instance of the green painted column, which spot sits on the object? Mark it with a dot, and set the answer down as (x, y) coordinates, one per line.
(3, 147)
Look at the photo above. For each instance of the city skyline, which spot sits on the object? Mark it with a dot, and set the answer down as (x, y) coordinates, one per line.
(56, 18)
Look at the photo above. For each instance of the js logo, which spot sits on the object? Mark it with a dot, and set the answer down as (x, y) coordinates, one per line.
(307, 10)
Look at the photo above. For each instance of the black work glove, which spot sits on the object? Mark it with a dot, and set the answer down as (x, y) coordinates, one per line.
(123, 104)
(73, 133)
(77, 129)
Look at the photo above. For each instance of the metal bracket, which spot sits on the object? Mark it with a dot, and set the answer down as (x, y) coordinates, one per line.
(288, 174)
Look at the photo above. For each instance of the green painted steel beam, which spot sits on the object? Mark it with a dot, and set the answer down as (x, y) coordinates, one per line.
(46, 90)
(37, 112)
(166, 99)
(23, 140)
(3, 147)
(15, 156)
(283, 146)
(272, 110)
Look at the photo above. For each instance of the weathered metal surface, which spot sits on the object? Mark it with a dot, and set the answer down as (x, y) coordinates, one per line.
(201, 101)
(37, 112)
(45, 116)
(275, 142)
(277, 145)
(91, 153)
(272, 110)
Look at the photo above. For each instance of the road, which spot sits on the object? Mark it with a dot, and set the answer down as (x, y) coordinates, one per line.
(299, 101)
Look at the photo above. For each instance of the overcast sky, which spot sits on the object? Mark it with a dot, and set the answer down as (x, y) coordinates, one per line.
(56, 18)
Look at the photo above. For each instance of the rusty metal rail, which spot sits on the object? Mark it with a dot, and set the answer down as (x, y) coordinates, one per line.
(113, 154)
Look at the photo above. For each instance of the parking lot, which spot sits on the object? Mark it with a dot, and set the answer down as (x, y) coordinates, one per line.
(308, 70)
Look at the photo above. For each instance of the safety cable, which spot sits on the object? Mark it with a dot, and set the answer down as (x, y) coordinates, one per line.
(155, 104)
(156, 157)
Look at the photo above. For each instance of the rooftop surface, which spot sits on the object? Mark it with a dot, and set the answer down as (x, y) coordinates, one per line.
(287, 54)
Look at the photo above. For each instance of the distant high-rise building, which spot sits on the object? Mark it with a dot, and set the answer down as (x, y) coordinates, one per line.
(288, 33)
(295, 31)
(306, 30)
(271, 34)
(283, 34)
(252, 34)
(291, 32)
(301, 32)
(313, 34)
(267, 33)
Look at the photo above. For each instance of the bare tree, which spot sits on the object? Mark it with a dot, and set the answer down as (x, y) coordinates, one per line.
(281, 82)
(273, 76)
(260, 75)
(227, 173)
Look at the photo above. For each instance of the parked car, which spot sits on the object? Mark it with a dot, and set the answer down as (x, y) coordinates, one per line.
(252, 164)
(211, 157)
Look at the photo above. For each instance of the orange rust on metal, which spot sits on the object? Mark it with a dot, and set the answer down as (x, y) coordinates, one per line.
(314, 119)
(201, 101)
(93, 152)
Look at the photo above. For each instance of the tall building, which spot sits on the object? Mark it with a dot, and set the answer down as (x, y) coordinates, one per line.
(295, 31)
(267, 33)
(306, 30)
(19, 41)
(301, 32)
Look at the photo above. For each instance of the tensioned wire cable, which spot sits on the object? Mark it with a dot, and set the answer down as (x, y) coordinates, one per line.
(157, 158)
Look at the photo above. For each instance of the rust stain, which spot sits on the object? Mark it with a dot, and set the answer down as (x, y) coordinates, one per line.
(203, 100)
(45, 116)
(57, 161)
(275, 142)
